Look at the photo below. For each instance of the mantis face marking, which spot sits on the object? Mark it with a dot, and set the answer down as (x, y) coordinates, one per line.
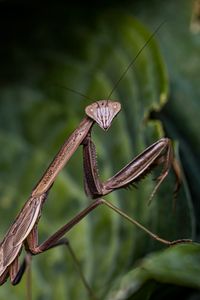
(103, 112)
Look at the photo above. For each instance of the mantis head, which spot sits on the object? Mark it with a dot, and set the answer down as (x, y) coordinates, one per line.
(103, 112)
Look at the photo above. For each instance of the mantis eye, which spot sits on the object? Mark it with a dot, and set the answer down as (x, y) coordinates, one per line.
(103, 112)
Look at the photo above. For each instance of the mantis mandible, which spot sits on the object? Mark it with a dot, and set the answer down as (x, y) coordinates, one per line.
(23, 231)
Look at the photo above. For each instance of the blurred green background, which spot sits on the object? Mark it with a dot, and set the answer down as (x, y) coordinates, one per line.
(87, 46)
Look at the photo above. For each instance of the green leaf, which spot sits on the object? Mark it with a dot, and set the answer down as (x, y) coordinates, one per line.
(178, 265)
(36, 116)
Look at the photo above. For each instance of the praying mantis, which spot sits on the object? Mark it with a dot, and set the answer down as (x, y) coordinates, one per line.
(23, 231)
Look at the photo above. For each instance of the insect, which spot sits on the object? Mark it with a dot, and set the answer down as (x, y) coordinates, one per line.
(23, 231)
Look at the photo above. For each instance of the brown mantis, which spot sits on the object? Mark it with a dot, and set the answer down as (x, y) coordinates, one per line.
(23, 231)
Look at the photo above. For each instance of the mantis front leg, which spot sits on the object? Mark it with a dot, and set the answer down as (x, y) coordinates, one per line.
(160, 152)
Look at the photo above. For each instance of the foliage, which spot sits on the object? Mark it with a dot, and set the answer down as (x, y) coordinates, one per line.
(89, 54)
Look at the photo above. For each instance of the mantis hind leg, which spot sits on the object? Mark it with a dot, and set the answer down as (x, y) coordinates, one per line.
(56, 240)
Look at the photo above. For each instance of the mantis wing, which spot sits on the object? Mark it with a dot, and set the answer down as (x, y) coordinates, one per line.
(19, 230)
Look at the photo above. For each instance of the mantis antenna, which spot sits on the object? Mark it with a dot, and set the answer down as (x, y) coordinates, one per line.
(125, 71)
(135, 58)
(74, 91)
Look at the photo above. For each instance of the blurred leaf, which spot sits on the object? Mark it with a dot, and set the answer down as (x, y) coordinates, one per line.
(36, 116)
(168, 266)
